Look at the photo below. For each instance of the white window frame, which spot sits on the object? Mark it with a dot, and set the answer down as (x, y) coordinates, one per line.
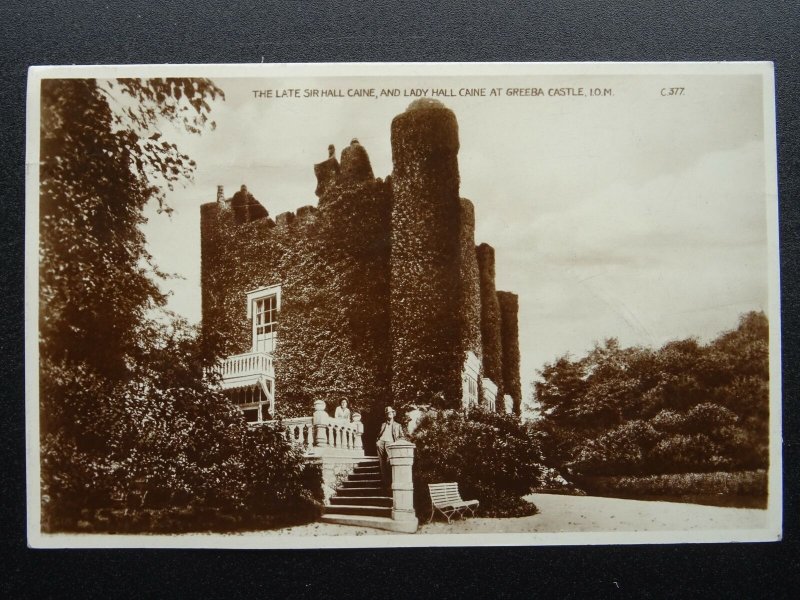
(253, 297)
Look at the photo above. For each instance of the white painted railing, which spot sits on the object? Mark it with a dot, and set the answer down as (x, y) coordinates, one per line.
(250, 364)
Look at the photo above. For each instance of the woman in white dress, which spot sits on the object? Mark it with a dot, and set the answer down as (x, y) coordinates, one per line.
(342, 412)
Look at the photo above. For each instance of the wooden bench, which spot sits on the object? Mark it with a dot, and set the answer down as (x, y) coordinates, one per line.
(446, 498)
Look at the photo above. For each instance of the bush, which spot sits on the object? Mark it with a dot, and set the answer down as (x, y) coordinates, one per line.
(724, 488)
(173, 457)
(493, 457)
(685, 407)
(621, 450)
(680, 453)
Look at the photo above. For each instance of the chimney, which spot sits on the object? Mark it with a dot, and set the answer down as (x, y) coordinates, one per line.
(220, 194)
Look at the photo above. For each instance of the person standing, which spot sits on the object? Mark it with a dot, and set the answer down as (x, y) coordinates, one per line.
(390, 432)
(342, 412)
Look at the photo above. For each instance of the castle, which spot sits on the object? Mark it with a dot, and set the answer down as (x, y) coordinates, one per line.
(377, 295)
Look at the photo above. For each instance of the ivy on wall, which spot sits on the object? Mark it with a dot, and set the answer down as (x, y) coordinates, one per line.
(382, 288)
(470, 283)
(509, 334)
(490, 322)
(427, 349)
(333, 267)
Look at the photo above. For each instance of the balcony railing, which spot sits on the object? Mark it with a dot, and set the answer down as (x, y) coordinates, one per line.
(249, 366)
(249, 370)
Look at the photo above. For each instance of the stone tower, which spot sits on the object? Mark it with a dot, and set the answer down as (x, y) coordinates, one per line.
(425, 291)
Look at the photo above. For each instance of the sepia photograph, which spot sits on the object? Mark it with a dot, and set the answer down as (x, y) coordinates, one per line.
(376, 305)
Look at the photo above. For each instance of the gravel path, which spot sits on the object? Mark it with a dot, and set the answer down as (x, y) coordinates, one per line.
(574, 514)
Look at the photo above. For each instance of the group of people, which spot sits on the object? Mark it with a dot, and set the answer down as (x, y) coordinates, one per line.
(390, 432)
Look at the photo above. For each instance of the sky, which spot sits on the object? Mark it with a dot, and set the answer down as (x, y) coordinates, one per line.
(631, 215)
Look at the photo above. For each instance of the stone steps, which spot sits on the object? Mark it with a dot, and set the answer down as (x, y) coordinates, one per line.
(359, 510)
(361, 495)
(384, 501)
(365, 470)
(364, 477)
(361, 491)
(361, 483)
(373, 522)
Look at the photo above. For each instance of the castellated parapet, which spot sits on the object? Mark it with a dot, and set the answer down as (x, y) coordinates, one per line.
(383, 293)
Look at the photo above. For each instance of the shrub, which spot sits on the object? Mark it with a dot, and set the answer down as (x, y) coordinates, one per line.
(681, 453)
(624, 449)
(708, 418)
(724, 488)
(493, 457)
(177, 459)
(707, 406)
(669, 420)
(277, 480)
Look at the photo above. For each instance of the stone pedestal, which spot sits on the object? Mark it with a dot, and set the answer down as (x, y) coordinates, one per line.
(401, 459)
(320, 421)
(358, 444)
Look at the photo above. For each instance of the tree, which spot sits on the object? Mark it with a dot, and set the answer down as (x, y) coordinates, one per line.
(493, 457)
(683, 407)
(125, 413)
(98, 169)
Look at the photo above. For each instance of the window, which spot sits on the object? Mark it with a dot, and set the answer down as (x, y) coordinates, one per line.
(265, 322)
(263, 306)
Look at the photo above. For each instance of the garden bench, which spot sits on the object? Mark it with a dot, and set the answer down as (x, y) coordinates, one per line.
(446, 498)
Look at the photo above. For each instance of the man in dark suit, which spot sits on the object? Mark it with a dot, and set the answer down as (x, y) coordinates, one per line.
(390, 432)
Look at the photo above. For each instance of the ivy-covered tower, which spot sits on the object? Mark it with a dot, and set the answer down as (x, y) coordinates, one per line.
(425, 278)
(376, 295)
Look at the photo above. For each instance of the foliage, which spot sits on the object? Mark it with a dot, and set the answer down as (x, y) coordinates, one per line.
(470, 309)
(685, 407)
(509, 330)
(494, 458)
(166, 440)
(333, 267)
(428, 339)
(736, 488)
(491, 322)
(98, 169)
(126, 418)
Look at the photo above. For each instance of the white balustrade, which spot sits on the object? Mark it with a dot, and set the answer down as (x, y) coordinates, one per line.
(247, 370)
(245, 365)
(321, 433)
(299, 432)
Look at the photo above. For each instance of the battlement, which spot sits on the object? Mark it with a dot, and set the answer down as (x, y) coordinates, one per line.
(302, 216)
(353, 169)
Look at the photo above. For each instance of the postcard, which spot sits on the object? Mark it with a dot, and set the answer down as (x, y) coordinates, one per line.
(375, 305)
